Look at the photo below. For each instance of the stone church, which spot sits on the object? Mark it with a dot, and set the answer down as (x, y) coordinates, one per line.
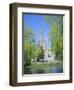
(48, 55)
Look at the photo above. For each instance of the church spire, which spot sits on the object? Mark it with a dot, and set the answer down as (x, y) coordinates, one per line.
(41, 40)
(41, 34)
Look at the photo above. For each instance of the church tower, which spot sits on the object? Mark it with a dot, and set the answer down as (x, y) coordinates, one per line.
(41, 41)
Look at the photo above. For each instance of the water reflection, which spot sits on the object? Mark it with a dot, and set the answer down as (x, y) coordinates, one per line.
(34, 71)
(27, 70)
(54, 69)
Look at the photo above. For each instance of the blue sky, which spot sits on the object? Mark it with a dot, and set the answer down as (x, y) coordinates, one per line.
(37, 22)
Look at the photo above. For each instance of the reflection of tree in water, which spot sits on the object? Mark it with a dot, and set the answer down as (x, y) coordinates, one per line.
(27, 70)
(52, 69)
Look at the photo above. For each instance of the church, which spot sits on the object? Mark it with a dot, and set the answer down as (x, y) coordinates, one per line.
(48, 55)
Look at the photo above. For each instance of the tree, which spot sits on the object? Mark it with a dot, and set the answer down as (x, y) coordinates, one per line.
(56, 35)
(29, 46)
(39, 53)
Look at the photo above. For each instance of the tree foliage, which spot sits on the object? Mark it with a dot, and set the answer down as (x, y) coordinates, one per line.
(29, 46)
(39, 53)
(56, 35)
(30, 49)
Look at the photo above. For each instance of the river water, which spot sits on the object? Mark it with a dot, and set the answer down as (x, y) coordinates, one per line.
(54, 69)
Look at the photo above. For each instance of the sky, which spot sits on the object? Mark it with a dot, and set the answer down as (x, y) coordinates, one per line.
(37, 22)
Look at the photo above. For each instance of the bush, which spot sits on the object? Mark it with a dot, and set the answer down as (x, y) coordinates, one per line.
(27, 59)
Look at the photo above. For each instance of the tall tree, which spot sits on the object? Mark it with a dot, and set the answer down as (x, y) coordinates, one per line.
(56, 35)
(29, 46)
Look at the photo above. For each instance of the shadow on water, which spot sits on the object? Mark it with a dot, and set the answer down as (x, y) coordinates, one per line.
(54, 69)
(35, 71)
(27, 70)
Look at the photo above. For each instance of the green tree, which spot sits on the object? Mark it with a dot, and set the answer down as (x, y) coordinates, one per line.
(56, 35)
(39, 53)
(29, 46)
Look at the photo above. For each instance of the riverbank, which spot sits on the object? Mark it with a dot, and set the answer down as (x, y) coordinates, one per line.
(52, 67)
